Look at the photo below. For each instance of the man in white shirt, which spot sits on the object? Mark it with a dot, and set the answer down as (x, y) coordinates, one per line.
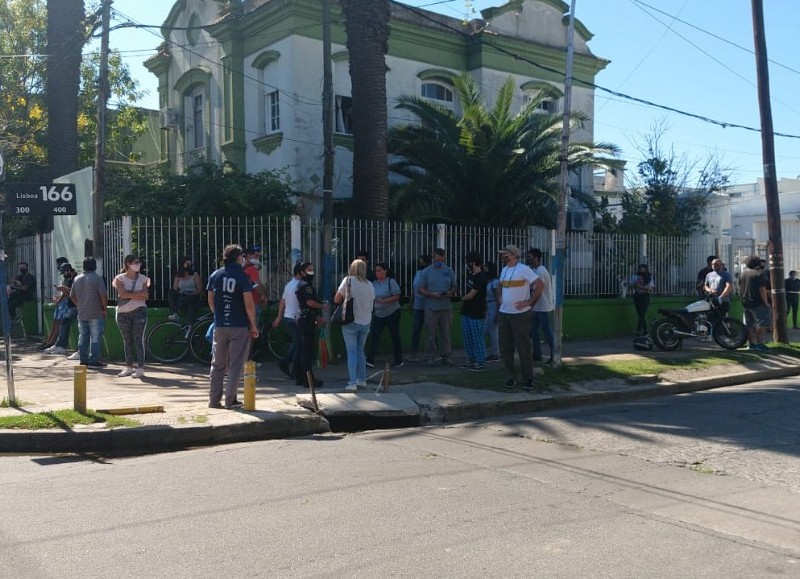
(540, 319)
(520, 288)
(288, 309)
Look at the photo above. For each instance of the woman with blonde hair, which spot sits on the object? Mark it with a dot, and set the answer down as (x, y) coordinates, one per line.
(132, 291)
(355, 334)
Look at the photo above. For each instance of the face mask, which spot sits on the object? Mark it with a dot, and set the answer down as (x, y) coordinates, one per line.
(136, 267)
(438, 263)
(23, 270)
(187, 268)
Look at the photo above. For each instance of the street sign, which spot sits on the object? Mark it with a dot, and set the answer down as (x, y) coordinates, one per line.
(36, 199)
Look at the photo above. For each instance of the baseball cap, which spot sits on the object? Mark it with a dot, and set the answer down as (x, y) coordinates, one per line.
(255, 248)
(64, 267)
(512, 249)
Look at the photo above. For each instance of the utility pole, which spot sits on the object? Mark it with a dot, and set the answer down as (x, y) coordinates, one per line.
(4, 314)
(563, 197)
(99, 189)
(770, 178)
(327, 139)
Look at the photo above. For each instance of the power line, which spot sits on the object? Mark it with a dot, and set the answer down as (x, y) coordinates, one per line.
(500, 49)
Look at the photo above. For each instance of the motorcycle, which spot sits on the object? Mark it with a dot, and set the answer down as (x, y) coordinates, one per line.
(700, 320)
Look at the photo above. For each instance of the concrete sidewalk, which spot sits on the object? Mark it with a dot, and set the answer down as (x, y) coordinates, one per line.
(44, 382)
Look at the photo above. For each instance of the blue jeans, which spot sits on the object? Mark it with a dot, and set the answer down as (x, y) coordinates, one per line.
(89, 339)
(355, 338)
(541, 320)
(65, 326)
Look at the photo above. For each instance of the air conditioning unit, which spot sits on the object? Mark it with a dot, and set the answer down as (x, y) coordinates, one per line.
(167, 119)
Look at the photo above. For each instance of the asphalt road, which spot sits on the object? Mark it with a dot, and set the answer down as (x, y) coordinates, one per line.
(606, 491)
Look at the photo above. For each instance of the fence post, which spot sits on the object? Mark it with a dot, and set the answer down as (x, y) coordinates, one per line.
(127, 235)
(643, 239)
(297, 239)
(441, 234)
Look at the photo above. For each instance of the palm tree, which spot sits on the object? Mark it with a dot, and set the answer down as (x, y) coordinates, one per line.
(486, 166)
(367, 26)
(65, 39)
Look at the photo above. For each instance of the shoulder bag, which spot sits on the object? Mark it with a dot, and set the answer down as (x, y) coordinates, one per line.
(343, 314)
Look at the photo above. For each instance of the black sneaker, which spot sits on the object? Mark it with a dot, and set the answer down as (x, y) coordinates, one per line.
(529, 385)
(476, 367)
(216, 405)
(511, 383)
(235, 404)
(467, 365)
(97, 364)
(492, 358)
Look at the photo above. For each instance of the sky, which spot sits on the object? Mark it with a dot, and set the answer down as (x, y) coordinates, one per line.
(688, 56)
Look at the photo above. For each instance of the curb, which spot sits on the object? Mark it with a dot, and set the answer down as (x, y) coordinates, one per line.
(159, 438)
(466, 412)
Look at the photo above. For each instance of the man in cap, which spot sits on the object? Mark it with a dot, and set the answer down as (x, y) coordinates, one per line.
(520, 288)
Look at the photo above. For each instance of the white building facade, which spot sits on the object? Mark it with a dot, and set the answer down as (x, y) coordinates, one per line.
(242, 81)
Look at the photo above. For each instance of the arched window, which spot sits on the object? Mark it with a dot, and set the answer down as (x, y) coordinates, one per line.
(437, 91)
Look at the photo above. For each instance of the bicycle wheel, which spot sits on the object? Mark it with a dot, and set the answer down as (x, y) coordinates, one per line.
(198, 344)
(279, 340)
(167, 342)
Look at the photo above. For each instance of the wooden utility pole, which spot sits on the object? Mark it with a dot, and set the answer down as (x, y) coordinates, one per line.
(559, 270)
(99, 189)
(770, 178)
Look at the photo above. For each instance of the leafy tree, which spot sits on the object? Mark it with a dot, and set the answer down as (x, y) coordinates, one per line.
(486, 166)
(208, 189)
(24, 105)
(662, 199)
(367, 27)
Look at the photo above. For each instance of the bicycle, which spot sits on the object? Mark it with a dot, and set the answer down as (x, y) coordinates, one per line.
(276, 341)
(169, 342)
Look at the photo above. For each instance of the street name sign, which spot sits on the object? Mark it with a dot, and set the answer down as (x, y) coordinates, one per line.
(37, 199)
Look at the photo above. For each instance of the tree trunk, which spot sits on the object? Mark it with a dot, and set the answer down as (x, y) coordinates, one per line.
(367, 26)
(65, 39)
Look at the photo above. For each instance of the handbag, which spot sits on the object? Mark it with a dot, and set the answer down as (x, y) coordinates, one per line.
(343, 314)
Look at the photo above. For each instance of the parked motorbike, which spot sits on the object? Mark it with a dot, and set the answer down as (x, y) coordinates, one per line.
(700, 320)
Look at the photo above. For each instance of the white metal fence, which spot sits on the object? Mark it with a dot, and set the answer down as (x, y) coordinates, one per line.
(596, 264)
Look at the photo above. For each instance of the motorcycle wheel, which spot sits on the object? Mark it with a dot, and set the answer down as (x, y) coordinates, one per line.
(729, 333)
(664, 337)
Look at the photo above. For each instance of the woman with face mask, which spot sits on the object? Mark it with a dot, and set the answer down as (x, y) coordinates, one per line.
(132, 291)
(186, 292)
(641, 284)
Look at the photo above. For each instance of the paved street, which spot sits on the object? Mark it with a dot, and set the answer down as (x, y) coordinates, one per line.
(599, 491)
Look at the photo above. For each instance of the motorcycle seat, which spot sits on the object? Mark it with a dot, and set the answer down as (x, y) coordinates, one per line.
(672, 311)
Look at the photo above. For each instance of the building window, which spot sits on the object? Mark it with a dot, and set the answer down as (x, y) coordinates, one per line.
(548, 106)
(274, 109)
(437, 92)
(199, 137)
(344, 110)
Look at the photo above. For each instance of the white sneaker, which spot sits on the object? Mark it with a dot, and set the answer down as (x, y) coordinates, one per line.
(138, 373)
(351, 388)
(125, 372)
(75, 356)
(172, 317)
(49, 350)
(58, 350)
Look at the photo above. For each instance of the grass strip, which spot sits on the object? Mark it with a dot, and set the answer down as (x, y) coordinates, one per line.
(65, 419)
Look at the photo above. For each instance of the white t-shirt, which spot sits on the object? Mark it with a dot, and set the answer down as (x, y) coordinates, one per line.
(291, 306)
(134, 285)
(363, 295)
(546, 301)
(515, 286)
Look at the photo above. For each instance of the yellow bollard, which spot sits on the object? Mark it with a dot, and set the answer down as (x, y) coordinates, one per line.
(79, 387)
(249, 385)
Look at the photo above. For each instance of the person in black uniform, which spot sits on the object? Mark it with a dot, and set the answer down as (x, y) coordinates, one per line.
(792, 296)
(307, 321)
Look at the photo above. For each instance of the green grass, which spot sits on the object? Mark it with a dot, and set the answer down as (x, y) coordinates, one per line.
(4, 403)
(63, 419)
(494, 377)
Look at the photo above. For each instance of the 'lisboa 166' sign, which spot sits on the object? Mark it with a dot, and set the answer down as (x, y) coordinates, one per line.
(33, 199)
